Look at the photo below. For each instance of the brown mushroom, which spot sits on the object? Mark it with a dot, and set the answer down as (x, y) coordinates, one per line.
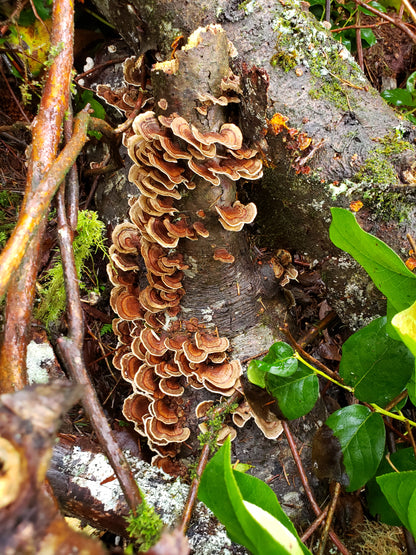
(154, 344)
(162, 434)
(211, 343)
(221, 377)
(229, 136)
(166, 410)
(125, 262)
(201, 230)
(171, 386)
(126, 238)
(136, 407)
(202, 408)
(125, 304)
(223, 255)
(157, 231)
(193, 353)
(129, 366)
(242, 414)
(147, 126)
(181, 128)
(146, 381)
(204, 172)
(237, 214)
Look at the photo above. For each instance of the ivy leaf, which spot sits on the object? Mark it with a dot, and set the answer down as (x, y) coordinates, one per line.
(378, 505)
(362, 436)
(296, 394)
(384, 266)
(405, 324)
(376, 366)
(248, 508)
(399, 489)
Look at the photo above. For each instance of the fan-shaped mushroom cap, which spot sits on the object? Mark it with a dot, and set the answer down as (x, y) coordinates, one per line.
(226, 431)
(229, 136)
(271, 430)
(138, 349)
(211, 343)
(154, 344)
(171, 169)
(231, 83)
(172, 467)
(147, 125)
(223, 255)
(217, 358)
(183, 364)
(132, 68)
(179, 227)
(168, 369)
(156, 229)
(167, 410)
(125, 304)
(129, 366)
(242, 414)
(220, 377)
(151, 300)
(136, 407)
(174, 150)
(163, 104)
(120, 351)
(162, 434)
(120, 277)
(201, 230)
(193, 353)
(175, 342)
(237, 214)
(171, 386)
(202, 408)
(181, 128)
(204, 172)
(126, 238)
(125, 262)
(146, 381)
(122, 329)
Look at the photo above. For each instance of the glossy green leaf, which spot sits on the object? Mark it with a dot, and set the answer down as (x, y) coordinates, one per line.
(362, 437)
(376, 366)
(399, 97)
(368, 36)
(398, 488)
(296, 394)
(405, 324)
(411, 513)
(384, 266)
(378, 505)
(248, 508)
(255, 374)
(410, 83)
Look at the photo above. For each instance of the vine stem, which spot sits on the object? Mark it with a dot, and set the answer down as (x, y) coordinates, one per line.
(320, 373)
(398, 417)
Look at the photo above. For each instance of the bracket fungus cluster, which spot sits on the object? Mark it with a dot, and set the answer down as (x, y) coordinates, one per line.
(161, 349)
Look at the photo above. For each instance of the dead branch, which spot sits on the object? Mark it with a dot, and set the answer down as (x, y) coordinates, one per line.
(37, 204)
(46, 136)
(394, 20)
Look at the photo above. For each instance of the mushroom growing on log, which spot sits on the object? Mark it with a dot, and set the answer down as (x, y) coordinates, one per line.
(182, 317)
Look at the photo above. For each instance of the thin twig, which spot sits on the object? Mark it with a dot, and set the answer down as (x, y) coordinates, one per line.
(37, 203)
(312, 360)
(412, 242)
(12, 93)
(315, 524)
(412, 439)
(316, 330)
(72, 189)
(410, 9)
(328, 522)
(394, 20)
(315, 507)
(360, 54)
(203, 460)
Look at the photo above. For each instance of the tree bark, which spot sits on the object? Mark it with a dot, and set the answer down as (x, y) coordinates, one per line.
(290, 65)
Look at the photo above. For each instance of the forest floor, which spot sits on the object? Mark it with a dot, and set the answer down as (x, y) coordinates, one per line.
(392, 57)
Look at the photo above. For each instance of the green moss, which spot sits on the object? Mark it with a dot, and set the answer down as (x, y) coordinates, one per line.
(374, 181)
(302, 40)
(145, 527)
(89, 238)
(214, 424)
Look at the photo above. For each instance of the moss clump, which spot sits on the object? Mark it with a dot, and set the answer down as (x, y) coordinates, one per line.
(145, 527)
(9, 205)
(52, 296)
(378, 175)
(301, 40)
(214, 424)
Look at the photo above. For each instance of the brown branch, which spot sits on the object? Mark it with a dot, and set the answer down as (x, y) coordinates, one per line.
(360, 54)
(394, 20)
(203, 460)
(38, 202)
(315, 524)
(328, 521)
(285, 329)
(315, 507)
(316, 330)
(73, 360)
(72, 190)
(12, 93)
(46, 134)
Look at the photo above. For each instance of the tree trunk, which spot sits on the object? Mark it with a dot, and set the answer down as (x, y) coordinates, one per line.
(289, 65)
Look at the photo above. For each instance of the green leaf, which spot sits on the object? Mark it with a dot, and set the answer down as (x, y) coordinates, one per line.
(376, 366)
(362, 437)
(398, 488)
(279, 360)
(297, 394)
(410, 83)
(368, 36)
(248, 508)
(384, 266)
(399, 97)
(378, 505)
(405, 324)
